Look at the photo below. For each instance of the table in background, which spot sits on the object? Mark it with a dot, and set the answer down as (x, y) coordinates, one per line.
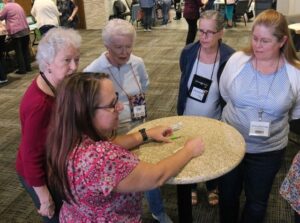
(224, 149)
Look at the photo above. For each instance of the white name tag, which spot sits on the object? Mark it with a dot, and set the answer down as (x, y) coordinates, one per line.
(260, 129)
(198, 93)
(139, 111)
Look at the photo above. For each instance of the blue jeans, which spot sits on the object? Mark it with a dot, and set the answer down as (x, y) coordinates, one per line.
(147, 21)
(37, 204)
(256, 172)
(155, 201)
(165, 11)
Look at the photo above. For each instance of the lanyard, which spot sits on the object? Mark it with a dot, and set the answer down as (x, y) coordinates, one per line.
(120, 86)
(261, 107)
(198, 58)
(48, 83)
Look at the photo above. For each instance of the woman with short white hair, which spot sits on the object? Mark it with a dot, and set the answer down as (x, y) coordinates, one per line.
(57, 57)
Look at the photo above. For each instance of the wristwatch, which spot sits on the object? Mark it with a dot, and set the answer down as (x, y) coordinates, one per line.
(144, 134)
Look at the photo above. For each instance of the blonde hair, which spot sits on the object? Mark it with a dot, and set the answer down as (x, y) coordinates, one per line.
(215, 15)
(276, 21)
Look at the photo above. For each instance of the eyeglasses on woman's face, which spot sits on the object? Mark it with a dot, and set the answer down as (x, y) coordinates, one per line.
(112, 107)
(207, 33)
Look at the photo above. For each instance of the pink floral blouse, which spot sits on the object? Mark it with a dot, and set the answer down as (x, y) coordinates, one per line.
(94, 170)
(290, 188)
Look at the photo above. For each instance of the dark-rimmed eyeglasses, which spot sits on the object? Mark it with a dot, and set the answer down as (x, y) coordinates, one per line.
(208, 33)
(111, 107)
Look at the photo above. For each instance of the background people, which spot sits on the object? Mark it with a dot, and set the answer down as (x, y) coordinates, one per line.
(57, 57)
(46, 15)
(147, 7)
(3, 76)
(18, 30)
(166, 5)
(107, 187)
(68, 10)
(131, 81)
(261, 88)
(204, 61)
(229, 8)
(191, 13)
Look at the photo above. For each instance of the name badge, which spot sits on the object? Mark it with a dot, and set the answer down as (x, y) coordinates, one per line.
(199, 88)
(137, 105)
(259, 129)
(139, 111)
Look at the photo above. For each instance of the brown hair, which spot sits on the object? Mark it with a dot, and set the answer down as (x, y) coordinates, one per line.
(272, 19)
(72, 118)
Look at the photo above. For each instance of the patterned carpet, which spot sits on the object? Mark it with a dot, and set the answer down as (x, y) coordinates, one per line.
(160, 49)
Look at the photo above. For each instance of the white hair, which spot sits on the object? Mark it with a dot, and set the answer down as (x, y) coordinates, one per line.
(116, 27)
(55, 40)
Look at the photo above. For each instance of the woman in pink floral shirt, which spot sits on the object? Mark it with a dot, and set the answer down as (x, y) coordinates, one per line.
(96, 175)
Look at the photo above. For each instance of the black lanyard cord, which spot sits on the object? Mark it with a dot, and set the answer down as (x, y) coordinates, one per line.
(198, 58)
(48, 82)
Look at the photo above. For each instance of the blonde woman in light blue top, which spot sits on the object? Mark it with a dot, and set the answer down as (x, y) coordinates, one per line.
(261, 86)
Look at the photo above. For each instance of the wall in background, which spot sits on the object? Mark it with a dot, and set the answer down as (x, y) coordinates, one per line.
(288, 7)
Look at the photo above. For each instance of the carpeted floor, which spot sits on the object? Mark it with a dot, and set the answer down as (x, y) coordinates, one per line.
(160, 49)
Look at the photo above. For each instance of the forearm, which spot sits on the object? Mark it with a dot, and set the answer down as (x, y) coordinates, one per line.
(75, 10)
(170, 166)
(148, 176)
(43, 194)
(129, 141)
(47, 206)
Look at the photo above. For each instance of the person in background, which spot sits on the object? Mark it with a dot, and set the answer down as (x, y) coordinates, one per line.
(166, 5)
(204, 61)
(107, 187)
(147, 7)
(3, 77)
(261, 87)
(131, 81)
(229, 7)
(209, 5)
(68, 13)
(191, 13)
(3, 32)
(57, 57)
(18, 30)
(178, 10)
(46, 14)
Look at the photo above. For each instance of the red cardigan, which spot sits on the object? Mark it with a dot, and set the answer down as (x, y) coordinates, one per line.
(35, 112)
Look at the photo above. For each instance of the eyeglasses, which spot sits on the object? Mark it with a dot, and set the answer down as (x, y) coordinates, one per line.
(207, 33)
(112, 107)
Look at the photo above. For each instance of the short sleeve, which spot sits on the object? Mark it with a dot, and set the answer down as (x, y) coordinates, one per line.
(109, 164)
